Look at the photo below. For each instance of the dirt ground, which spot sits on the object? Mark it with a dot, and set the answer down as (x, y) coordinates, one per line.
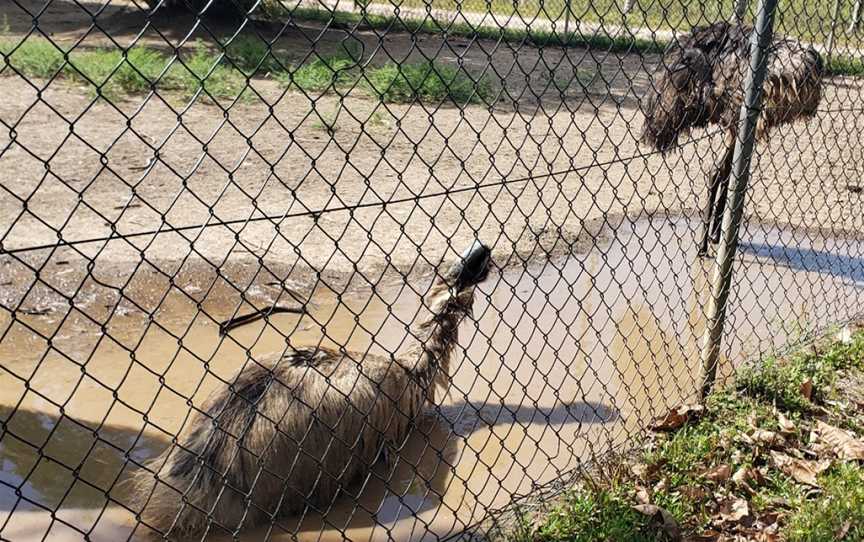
(85, 168)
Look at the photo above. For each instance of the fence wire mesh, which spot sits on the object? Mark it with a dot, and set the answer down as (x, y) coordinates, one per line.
(170, 165)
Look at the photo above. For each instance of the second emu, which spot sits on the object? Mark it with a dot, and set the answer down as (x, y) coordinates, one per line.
(299, 430)
(700, 81)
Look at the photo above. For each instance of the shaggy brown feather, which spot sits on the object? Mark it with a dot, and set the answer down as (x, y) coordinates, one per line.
(701, 78)
(299, 429)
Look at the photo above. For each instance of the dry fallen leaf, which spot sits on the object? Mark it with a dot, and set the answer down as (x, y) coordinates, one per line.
(741, 476)
(642, 495)
(677, 417)
(662, 517)
(842, 444)
(818, 448)
(744, 476)
(750, 535)
(807, 389)
(639, 469)
(841, 533)
(800, 469)
(767, 438)
(693, 493)
(720, 473)
(785, 424)
(753, 420)
(769, 519)
(759, 474)
(734, 510)
(707, 536)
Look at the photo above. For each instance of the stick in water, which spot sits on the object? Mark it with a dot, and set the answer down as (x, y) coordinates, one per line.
(238, 321)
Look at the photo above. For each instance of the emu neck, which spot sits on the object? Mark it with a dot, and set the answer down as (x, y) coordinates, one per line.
(437, 337)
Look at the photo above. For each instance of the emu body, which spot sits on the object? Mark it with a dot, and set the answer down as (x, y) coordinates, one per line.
(700, 81)
(303, 428)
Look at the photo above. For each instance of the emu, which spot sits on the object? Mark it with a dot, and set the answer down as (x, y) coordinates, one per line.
(301, 428)
(700, 81)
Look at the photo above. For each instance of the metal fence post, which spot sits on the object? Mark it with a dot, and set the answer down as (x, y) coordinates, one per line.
(856, 16)
(835, 14)
(749, 115)
(628, 6)
(567, 22)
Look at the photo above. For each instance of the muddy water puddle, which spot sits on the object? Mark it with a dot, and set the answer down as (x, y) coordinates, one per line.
(564, 360)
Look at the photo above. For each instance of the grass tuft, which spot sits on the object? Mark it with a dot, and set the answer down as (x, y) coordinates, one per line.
(594, 516)
(842, 502)
(112, 74)
(203, 68)
(426, 81)
(35, 57)
(327, 121)
(322, 73)
(109, 72)
(845, 65)
(780, 381)
(251, 55)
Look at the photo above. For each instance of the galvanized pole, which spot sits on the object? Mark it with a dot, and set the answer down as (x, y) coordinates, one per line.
(835, 13)
(567, 22)
(856, 16)
(749, 115)
(628, 7)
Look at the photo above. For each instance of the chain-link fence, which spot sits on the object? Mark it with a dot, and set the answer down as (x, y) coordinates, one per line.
(168, 167)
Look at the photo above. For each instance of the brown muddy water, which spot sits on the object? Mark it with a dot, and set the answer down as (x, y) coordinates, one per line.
(563, 361)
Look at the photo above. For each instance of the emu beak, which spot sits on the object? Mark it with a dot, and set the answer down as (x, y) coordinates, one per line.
(473, 266)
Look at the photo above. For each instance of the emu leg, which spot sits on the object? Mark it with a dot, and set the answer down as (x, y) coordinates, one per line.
(722, 197)
(714, 208)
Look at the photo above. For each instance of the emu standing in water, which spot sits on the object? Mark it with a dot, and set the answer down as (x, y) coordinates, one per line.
(700, 81)
(300, 429)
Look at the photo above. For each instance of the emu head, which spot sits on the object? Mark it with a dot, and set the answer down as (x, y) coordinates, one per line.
(454, 287)
(677, 99)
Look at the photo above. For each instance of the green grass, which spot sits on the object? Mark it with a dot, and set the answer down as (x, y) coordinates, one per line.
(251, 55)
(844, 65)
(675, 466)
(779, 380)
(594, 516)
(327, 121)
(109, 72)
(392, 83)
(323, 73)
(843, 501)
(203, 68)
(427, 81)
(34, 57)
